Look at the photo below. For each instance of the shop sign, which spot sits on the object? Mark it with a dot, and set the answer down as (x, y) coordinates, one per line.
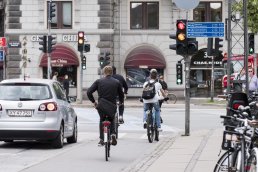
(58, 62)
(207, 62)
(65, 38)
(14, 44)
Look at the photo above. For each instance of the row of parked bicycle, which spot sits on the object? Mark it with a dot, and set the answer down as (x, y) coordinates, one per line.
(240, 137)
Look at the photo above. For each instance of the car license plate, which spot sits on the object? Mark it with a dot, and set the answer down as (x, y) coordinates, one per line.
(20, 113)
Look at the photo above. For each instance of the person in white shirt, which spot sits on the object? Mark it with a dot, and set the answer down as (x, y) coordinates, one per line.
(154, 100)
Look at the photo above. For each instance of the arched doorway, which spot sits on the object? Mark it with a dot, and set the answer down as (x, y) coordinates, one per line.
(64, 61)
(139, 62)
(200, 74)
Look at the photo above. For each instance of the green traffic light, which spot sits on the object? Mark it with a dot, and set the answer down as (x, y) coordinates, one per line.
(251, 51)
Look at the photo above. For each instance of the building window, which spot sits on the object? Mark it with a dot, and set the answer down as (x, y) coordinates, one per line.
(144, 15)
(63, 15)
(208, 12)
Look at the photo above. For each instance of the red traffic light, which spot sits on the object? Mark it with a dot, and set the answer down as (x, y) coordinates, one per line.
(181, 25)
(80, 37)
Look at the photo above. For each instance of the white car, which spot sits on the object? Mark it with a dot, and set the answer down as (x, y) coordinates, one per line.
(36, 109)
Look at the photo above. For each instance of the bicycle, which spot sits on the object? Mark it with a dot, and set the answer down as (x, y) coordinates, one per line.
(107, 137)
(241, 155)
(152, 128)
(117, 123)
(172, 98)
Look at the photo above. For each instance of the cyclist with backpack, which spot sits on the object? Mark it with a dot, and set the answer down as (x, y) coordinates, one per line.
(150, 96)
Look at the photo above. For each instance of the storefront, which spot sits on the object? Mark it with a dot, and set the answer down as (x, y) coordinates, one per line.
(65, 61)
(139, 62)
(200, 75)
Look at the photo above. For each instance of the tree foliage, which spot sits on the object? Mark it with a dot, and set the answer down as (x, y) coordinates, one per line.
(252, 13)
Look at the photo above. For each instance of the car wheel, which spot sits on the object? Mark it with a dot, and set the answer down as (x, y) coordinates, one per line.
(73, 139)
(59, 141)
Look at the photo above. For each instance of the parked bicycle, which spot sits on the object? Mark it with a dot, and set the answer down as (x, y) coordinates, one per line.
(152, 128)
(172, 98)
(241, 154)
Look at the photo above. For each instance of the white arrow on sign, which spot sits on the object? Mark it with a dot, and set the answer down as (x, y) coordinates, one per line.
(186, 4)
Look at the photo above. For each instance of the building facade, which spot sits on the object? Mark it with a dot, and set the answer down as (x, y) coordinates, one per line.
(136, 33)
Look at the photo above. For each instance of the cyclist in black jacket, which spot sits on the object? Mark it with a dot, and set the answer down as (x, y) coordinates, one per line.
(109, 89)
(122, 81)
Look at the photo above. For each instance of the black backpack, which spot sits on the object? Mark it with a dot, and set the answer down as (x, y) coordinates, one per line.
(149, 91)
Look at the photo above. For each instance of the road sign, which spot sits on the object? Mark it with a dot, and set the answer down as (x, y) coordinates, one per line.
(205, 29)
(1, 55)
(2, 41)
(186, 4)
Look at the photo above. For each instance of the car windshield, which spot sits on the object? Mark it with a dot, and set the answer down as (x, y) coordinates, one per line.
(24, 92)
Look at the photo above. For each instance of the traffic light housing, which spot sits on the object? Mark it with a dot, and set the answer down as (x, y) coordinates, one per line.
(80, 41)
(107, 58)
(87, 48)
(101, 61)
(181, 37)
(192, 46)
(51, 10)
(251, 42)
(43, 42)
(218, 45)
(83, 63)
(179, 73)
(172, 46)
(50, 42)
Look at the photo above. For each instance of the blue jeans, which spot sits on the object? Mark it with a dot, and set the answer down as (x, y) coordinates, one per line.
(157, 112)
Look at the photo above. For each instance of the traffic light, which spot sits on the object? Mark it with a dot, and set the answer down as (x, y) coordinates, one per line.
(87, 48)
(179, 73)
(80, 41)
(107, 58)
(172, 46)
(83, 63)
(50, 43)
(210, 47)
(218, 44)
(251, 42)
(43, 42)
(192, 46)
(51, 10)
(101, 61)
(181, 37)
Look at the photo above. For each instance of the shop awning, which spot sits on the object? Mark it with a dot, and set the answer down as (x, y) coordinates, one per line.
(60, 57)
(145, 57)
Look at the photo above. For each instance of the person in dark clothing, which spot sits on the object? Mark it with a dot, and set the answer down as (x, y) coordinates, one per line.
(164, 87)
(109, 89)
(122, 81)
(66, 86)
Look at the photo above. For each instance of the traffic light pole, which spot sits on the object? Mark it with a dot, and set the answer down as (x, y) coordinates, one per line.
(187, 95)
(49, 71)
(80, 96)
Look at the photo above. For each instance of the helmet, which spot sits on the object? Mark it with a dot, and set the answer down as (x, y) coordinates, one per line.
(153, 71)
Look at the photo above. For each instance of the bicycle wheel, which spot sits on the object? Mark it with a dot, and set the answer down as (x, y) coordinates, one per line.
(116, 125)
(150, 131)
(156, 133)
(228, 162)
(252, 161)
(172, 98)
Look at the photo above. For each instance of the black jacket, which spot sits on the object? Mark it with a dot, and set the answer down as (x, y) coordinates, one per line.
(107, 88)
(121, 79)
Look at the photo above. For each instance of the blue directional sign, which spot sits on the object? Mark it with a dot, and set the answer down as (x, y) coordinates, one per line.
(1, 55)
(205, 29)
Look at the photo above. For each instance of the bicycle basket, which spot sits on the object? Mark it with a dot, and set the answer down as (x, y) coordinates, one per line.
(228, 138)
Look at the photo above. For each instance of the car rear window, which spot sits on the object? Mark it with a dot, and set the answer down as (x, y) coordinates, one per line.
(24, 92)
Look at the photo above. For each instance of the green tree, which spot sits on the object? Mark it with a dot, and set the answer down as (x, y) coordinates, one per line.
(252, 13)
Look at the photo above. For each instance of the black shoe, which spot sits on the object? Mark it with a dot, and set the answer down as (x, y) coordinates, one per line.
(161, 120)
(121, 120)
(113, 140)
(145, 125)
(101, 143)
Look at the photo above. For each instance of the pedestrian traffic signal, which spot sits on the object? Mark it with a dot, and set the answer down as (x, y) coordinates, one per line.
(83, 63)
(80, 41)
(87, 48)
(50, 42)
(251, 42)
(51, 10)
(210, 47)
(43, 42)
(218, 45)
(192, 46)
(179, 73)
(181, 37)
(101, 61)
